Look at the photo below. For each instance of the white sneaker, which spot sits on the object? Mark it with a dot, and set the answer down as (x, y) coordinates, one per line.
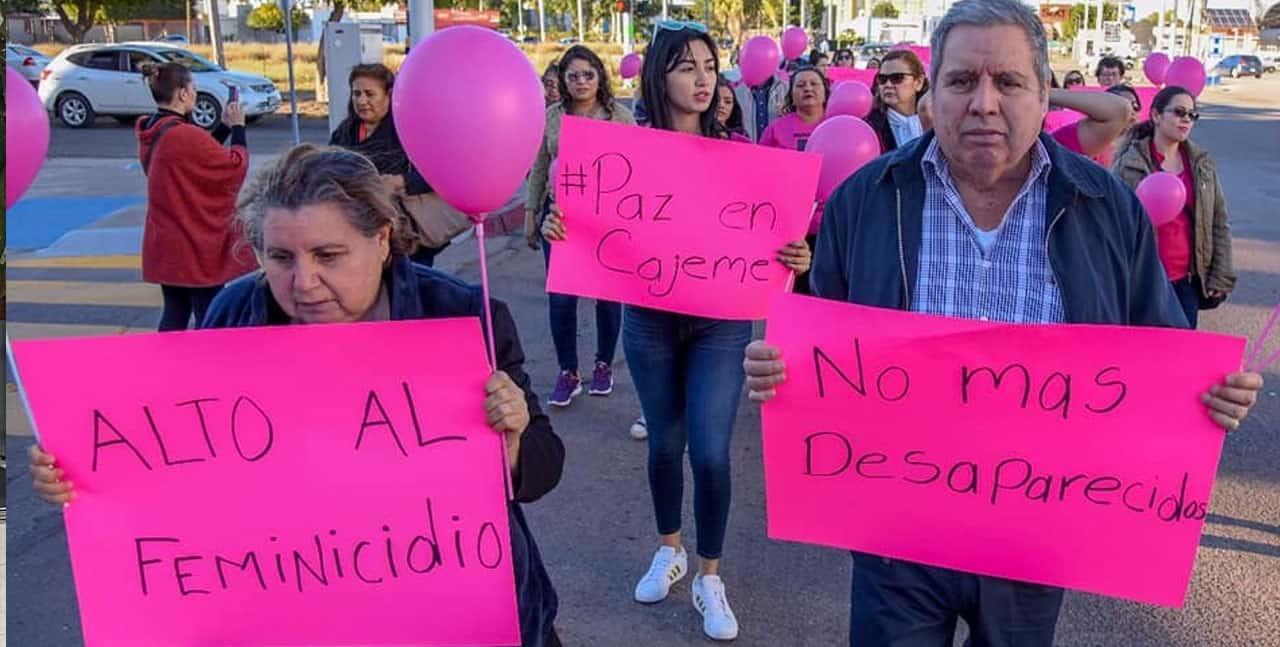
(639, 429)
(668, 567)
(718, 621)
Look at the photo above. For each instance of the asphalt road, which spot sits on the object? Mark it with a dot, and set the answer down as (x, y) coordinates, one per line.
(109, 138)
(596, 530)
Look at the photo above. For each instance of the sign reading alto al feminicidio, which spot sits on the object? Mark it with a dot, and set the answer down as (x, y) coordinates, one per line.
(299, 485)
(1073, 456)
(675, 222)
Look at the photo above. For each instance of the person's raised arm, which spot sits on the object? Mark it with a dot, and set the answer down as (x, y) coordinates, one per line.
(1106, 116)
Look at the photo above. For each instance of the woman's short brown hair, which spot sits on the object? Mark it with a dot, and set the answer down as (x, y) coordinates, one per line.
(166, 79)
(309, 175)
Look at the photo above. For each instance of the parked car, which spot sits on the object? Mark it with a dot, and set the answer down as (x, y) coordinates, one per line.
(1239, 65)
(1270, 62)
(869, 55)
(85, 81)
(569, 40)
(174, 38)
(27, 61)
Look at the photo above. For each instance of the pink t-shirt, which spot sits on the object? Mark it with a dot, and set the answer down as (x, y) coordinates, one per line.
(1069, 137)
(1175, 239)
(789, 131)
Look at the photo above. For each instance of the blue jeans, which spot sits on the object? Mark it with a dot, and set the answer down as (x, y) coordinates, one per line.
(688, 374)
(1188, 291)
(903, 604)
(564, 325)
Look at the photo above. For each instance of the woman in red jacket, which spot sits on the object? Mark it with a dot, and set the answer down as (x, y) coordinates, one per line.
(190, 246)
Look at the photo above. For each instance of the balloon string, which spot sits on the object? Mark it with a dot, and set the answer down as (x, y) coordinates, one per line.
(1254, 364)
(493, 361)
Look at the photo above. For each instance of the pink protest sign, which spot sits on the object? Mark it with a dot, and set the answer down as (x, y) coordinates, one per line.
(298, 485)
(676, 222)
(838, 75)
(1072, 456)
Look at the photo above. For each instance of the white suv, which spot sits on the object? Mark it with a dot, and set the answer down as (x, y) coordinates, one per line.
(85, 81)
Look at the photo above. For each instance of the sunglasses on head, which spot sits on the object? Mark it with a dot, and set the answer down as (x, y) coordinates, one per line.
(895, 79)
(678, 25)
(1183, 113)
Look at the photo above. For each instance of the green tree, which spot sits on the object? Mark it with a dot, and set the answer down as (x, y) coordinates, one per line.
(80, 16)
(1075, 20)
(1170, 19)
(268, 16)
(884, 10)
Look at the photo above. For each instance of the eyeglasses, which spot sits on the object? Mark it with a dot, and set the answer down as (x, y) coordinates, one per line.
(894, 79)
(678, 25)
(1183, 113)
(585, 76)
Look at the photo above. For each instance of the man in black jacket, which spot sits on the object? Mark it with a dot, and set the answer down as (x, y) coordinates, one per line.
(986, 219)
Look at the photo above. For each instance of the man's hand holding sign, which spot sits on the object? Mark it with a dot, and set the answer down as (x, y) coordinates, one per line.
(1089, 467)
(713, 235)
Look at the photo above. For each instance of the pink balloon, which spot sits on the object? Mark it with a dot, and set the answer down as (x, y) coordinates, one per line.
(845, 143)
(630, 65)
(1163, 196)
(758, 60)
(474, 142)
(1156, 67)
(852, 98)
(26, 136)
(794, 42)
(1187, 73)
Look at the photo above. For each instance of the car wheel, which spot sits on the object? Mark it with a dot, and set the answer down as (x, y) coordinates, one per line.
(207, 112)
(75, 111)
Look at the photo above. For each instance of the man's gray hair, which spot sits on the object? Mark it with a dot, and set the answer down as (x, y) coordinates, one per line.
(987, 13)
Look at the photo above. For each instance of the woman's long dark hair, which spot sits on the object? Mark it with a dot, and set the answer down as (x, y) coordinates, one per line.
(604, 93)
(1147, 129)
(917, 68)
(734, 123)
(375, 71)
(664, 53)
(790, 105)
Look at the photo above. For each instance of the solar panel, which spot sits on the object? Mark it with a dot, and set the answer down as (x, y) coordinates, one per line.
(1230, 18)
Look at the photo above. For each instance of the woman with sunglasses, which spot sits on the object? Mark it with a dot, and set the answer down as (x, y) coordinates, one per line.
(687, 370)
(585, 92)
(900, 83)
(805, 107)
(1072, 79)
(1107, 116)
(1195, 247)
(844, 58)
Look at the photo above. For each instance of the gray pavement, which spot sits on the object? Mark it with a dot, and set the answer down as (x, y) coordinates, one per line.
(109, 138)
(596, 530)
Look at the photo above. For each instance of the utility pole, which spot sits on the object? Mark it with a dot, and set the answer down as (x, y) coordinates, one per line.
(664, 10)
(421, 19)
(582, 34)
(293, 87)
(189, 39)
(542, 22)
(215, 32)
(1160, 29)
(804, 15)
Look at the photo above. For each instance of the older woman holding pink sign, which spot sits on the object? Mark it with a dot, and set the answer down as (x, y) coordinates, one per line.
(334, 249)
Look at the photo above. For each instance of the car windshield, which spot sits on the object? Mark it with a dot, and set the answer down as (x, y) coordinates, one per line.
(195, 63)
